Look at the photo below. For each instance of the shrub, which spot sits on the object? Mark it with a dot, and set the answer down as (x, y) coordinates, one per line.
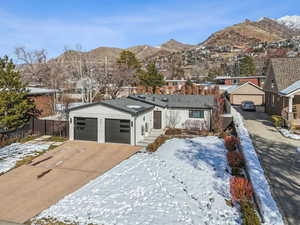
(158, 142)
(240, 189)
(277, 120)
(173, 131)
(231, 142)
(236, 171)
(249, 215)
(235, 159)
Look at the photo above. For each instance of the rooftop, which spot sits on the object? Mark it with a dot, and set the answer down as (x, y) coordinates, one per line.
(39, 91)
(240, 77)
(176, 101)
(290, 89)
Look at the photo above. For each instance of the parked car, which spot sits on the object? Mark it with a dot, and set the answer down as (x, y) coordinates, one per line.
(248, 106)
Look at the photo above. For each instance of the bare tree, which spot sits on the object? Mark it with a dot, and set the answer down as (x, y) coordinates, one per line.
(34, 67)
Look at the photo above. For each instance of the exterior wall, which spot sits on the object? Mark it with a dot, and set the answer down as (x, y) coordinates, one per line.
(183, 116)
(101, 113)
(255, 81)
(275, 104)
(140, 122)
(44, 103)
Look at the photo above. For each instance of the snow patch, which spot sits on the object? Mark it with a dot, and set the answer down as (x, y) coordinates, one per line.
(288, 134)
(260, 185)
(9, 155)
(292, 22)
(184, 183)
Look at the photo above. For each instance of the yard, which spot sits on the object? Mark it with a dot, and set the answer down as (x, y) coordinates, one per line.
(184, 182)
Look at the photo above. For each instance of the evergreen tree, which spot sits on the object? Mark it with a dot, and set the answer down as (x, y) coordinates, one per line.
(151, 77)
(247, 66)
(128, 61)
(15, 107)
(189, 82)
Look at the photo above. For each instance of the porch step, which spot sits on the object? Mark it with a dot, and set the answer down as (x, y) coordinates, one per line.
(150, 138)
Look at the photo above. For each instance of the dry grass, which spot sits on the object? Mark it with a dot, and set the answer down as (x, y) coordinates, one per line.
(52, 221)
(56, 139)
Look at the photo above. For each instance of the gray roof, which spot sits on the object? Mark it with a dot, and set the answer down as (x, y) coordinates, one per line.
(39, 91)
(286, 71)
(123, 104)
(177, 101)
(128, 105)
(295, 86)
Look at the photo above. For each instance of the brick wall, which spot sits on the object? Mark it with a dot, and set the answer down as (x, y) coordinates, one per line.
(44, 103)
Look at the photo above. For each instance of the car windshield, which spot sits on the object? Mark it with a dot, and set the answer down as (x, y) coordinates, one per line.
(248, 103)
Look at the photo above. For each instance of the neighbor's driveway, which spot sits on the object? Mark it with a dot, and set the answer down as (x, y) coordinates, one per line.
(281, 162)
(23, 195)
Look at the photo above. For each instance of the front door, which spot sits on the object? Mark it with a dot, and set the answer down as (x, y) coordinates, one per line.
(157, 119)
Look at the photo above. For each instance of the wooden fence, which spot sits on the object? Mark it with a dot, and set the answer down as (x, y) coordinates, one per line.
(38, 127)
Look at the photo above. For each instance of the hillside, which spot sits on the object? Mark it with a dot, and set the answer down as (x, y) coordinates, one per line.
(247, 33)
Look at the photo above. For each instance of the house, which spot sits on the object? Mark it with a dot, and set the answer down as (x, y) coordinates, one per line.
(282, 88)
(228, 80)
(129, 120)
(43, 99)
(246, 92)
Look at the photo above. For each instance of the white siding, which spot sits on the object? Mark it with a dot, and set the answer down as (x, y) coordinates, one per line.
(100, 112)
(141, 120)
(182, 116)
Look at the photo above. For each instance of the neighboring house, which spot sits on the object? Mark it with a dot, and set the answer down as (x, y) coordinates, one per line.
(282, 88)
(129, 120)
(246, 92)
(43, 99)
(227, 80)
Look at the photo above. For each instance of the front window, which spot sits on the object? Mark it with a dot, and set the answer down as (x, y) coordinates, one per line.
(199, 114)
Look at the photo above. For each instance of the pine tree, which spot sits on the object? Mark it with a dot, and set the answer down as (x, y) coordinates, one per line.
(247, 66)
(128, 61)
(15, 107)
(151, 77)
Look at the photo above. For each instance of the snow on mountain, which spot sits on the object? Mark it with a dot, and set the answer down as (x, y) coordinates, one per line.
(292, 22)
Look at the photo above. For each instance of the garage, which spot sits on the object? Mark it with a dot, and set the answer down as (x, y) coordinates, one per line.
(247, 92)
(85, 129)
(257, 99)
(117, 131)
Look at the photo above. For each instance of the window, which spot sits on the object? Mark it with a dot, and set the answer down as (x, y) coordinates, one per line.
(195, 113)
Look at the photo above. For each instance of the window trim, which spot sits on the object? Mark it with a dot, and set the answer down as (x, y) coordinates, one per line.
(202, 113)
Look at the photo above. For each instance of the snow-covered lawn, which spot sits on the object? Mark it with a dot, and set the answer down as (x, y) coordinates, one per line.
(184, 182)
(288, 134)
(9, 155)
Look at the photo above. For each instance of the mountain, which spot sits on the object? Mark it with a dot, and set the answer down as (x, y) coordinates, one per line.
(293, 22)
(173, 45)
(142, 52)
(247, 33)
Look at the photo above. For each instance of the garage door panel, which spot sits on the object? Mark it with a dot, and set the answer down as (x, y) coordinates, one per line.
(257, 99)
(117, 131)
(85, 129)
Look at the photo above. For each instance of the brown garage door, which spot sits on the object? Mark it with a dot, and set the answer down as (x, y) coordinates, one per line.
(257, 99)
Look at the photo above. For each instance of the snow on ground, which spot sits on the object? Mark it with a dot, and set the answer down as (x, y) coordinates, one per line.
(184, 182)
(288, 134)
(9, 155)
(260, 185)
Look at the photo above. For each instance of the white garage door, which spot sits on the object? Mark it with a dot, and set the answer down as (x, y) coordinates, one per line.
(257, 99)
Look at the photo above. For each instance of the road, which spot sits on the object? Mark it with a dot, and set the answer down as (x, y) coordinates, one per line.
(281, 161)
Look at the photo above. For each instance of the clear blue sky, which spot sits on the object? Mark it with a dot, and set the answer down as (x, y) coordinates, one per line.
(54, 24)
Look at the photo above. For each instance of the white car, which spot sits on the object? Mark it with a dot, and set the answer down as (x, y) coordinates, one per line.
(248, 106)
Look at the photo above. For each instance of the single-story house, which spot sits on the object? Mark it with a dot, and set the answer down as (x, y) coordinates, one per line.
(246, 92)
(129, 120)
(231, 80)
(282, 88)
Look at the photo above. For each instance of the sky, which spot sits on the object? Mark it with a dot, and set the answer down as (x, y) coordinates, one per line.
(58, 24)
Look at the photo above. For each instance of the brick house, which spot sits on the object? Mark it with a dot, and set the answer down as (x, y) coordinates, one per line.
(282, 88)
(43, 99)
(227, 80)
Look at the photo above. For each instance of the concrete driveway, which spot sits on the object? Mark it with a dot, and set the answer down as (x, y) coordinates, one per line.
(281, 162)
(64, 170)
